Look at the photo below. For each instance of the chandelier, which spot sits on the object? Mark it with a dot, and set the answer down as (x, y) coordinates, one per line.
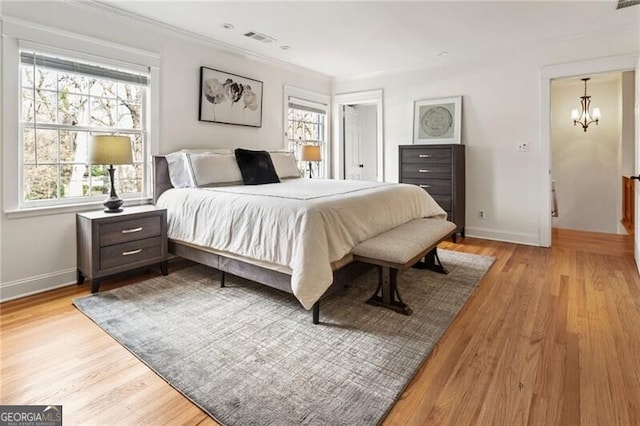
(586, 116)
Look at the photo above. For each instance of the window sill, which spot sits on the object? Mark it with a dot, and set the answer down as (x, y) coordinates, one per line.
(69, 208)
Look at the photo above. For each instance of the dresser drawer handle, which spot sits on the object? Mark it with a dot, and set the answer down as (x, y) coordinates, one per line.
(425, 156)
(424, 171)
(129, 231)
(129, 253)
(425, 186)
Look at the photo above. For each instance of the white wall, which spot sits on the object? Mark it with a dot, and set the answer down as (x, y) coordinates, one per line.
(39, 252)
(627, 153)
(585, 165)
(501, 109)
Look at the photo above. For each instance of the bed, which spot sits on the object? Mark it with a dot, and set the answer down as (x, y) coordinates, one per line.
(296, 235)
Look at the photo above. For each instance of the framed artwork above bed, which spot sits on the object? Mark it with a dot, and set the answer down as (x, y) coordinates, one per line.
(229, 98)
(437, 121)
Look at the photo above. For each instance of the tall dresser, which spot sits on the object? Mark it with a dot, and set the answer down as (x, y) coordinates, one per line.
(439, 169)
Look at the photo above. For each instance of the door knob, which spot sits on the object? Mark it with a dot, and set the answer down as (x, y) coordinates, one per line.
(362, 166)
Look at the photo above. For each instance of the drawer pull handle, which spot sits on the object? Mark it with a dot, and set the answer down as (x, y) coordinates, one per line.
(425, 186)
(129, 253)
(424, 156)
(129, 231)
(424, 171)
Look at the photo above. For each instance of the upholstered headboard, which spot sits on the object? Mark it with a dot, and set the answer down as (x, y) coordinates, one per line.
(161, 180)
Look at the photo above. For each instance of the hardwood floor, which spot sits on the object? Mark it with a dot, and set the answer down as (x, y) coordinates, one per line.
(550, 337)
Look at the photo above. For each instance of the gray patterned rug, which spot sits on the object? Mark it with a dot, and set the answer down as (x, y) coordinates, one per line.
(249, 355)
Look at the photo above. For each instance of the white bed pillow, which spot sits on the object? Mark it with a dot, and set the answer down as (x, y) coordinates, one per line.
(207, 151)
(180, 172)
(214, 169)
(285, 164)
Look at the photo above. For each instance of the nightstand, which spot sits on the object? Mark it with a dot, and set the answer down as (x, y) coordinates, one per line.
(111, 243)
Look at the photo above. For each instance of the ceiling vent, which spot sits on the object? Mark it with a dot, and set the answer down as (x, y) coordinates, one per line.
(627, 3)
(260, 37)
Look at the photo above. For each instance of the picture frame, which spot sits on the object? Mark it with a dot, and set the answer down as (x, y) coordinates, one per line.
(437, 121)
(229, 98)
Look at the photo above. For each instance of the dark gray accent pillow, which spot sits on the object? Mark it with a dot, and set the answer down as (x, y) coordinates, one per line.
(256, 167)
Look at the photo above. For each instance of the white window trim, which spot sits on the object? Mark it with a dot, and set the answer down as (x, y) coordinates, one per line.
(15, 34)
(316, 97)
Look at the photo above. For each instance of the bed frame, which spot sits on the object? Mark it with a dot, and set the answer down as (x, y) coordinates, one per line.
(344, 272)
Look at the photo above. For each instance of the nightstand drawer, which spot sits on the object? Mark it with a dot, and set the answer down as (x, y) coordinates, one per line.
(131, 252)
(129, 230)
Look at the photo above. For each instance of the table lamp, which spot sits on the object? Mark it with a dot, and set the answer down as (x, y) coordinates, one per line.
(310, 153)
(111, 149)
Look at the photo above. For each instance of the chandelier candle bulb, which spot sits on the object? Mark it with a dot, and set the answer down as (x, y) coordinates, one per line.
(575, 115)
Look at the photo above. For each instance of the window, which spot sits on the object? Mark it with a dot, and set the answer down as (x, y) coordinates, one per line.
(306, 124)
(63, 102)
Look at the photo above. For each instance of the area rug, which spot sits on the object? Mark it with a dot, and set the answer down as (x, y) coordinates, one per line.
(250, 355)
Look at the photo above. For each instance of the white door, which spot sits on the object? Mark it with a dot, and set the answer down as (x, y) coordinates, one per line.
(636, 237)
(368, 120)
(352, 164)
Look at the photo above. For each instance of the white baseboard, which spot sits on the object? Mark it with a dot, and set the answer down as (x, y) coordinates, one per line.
(526, 238)
(37, 284)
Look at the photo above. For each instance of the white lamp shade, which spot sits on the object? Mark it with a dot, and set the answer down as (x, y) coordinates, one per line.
(596, 114)
(310, 153)
(110, 149)
(575, 114)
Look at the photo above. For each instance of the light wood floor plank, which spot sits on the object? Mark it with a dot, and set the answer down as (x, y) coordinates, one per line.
(550, 337)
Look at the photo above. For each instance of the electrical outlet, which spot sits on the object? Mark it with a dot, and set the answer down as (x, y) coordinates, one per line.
(481, 214)
(523, 147)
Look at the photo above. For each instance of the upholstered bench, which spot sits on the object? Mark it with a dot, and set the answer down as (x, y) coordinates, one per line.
(401, 248)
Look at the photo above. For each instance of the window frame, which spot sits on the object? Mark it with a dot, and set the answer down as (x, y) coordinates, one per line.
(312, 100)
(88, 129)
(20, 35)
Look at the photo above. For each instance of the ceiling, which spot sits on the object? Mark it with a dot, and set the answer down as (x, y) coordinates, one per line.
(343, 39)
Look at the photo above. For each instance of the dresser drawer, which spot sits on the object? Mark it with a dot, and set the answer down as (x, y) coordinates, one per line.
(428, 171)
(443, 201)
(129, 230)
(131, 252)
(426, 155)
(433, 187)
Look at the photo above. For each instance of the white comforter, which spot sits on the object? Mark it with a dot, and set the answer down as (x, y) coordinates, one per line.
(304, 224)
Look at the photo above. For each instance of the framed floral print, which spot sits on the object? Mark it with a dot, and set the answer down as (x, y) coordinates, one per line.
(230, 98)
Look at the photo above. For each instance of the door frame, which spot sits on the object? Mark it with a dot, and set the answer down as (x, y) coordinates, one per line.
(368, 97)
(608, 64)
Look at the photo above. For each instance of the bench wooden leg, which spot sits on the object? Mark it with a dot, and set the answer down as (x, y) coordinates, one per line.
(316, 312)
(387, 292)
(432, 262)
(222, 277)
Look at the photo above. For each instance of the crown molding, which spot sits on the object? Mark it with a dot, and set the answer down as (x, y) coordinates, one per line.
(130, 18)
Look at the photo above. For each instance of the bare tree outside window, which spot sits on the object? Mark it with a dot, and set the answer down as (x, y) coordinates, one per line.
(305, 127)
(61, 110)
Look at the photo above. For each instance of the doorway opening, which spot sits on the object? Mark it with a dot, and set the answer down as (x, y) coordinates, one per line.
(609, 64)
(358, 136)
(591, 165)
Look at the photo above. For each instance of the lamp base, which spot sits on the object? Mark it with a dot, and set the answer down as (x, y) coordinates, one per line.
(113, 205)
